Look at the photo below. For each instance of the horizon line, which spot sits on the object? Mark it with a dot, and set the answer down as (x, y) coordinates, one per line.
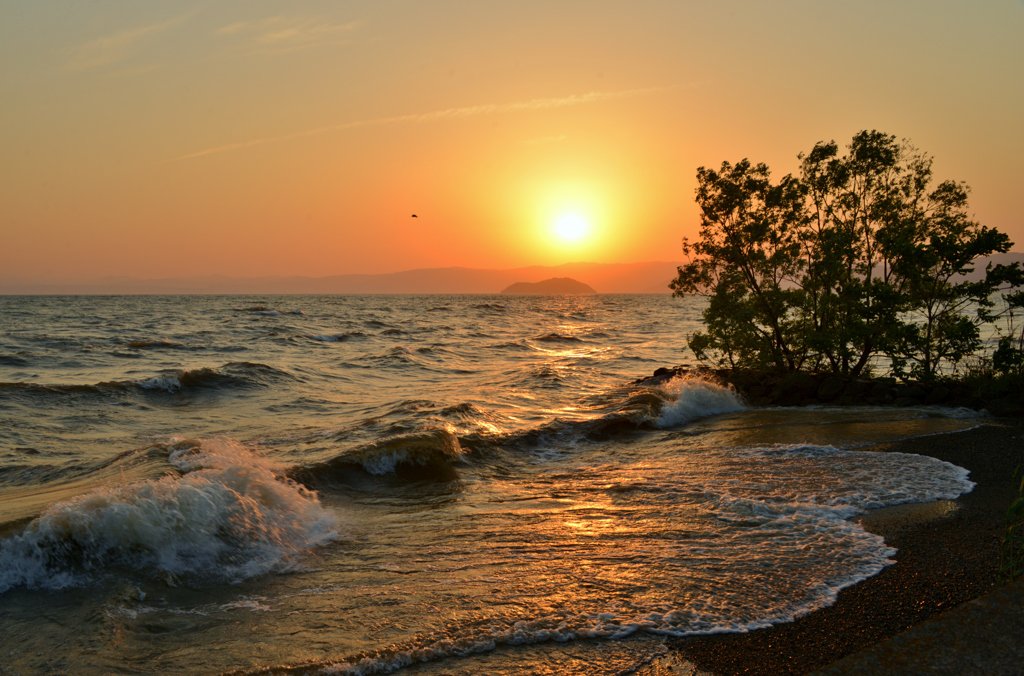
(37, 280)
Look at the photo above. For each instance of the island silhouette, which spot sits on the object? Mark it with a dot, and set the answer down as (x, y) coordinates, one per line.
(556, 286)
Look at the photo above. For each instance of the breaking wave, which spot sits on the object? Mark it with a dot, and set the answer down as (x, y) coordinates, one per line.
(229, 516)
(431, 455)
(693, 398)
(234, 374)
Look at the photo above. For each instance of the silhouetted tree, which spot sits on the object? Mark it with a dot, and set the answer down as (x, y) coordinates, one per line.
(747, 250)
(854, 259)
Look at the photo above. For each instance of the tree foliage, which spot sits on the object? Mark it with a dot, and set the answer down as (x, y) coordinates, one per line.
(857, 257)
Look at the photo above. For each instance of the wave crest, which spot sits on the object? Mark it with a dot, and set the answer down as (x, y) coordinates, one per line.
(558, 338)
(144, 344)
(232, 374)
(693, 397)
(231, 517)
(240, 374)
(331, 337)
(422, 456)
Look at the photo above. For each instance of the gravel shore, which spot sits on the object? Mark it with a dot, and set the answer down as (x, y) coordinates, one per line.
(947, 555)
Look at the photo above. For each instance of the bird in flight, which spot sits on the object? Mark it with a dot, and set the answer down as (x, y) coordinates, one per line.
(415, 216)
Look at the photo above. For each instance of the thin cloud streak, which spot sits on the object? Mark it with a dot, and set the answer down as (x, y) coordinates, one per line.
(112, 48)
(279, 34)
(448, 113)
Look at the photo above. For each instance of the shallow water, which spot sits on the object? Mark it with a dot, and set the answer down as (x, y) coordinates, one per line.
(463, 484)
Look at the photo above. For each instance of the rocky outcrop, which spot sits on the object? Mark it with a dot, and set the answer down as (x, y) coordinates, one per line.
(770, 388)
(556, 286)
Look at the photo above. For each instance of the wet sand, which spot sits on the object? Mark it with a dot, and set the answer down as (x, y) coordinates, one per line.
(948, 554)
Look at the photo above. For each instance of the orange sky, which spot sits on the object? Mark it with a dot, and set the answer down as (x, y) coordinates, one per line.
(257, 138)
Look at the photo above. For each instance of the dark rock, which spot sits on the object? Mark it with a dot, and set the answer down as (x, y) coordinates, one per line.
(661, 375)
(831, 388)
(913, 392)
(881, 388)
(1009, 406)
(744, 380)
(857, 388)
(968, 401)
(775, 388)
(957, 391)
(787, 398)
(798, 383)
(757, 391)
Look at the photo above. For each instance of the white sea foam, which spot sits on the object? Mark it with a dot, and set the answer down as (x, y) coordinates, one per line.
(868, 479)
(266, 313)
(785, 532)
(168, 383)
(248, 603)
(950, 412)
(695, 398)
(230, 516)
(329, 337)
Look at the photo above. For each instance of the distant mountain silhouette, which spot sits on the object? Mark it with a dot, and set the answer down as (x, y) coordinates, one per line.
(995, 259)
(649, 277)
(556, 286)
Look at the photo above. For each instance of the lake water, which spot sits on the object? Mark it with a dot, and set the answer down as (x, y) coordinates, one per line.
(434, 484)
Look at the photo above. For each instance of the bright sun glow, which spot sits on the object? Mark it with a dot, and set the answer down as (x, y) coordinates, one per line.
(571, 227)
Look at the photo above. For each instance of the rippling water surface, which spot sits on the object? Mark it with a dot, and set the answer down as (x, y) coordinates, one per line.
(441, 484)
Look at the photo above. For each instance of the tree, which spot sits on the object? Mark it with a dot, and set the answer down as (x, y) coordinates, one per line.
(860, 221)
(1008, 356)
(941, 327)
(747, 249)
(853, 260)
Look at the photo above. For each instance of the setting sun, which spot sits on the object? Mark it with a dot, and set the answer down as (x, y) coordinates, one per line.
(571, 227)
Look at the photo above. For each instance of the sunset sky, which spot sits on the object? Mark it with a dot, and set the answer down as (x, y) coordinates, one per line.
(257, 138)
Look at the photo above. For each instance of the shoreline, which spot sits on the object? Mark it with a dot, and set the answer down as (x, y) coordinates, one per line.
(945, 557)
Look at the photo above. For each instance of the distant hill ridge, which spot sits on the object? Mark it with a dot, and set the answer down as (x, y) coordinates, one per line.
(556, 286)
(648, 277)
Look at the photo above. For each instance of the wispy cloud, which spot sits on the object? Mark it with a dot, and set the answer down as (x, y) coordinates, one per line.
(112, 48)
(282, 33)
(447, 113)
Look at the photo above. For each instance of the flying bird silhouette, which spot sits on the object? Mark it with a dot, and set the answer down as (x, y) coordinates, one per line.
(415, 216)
